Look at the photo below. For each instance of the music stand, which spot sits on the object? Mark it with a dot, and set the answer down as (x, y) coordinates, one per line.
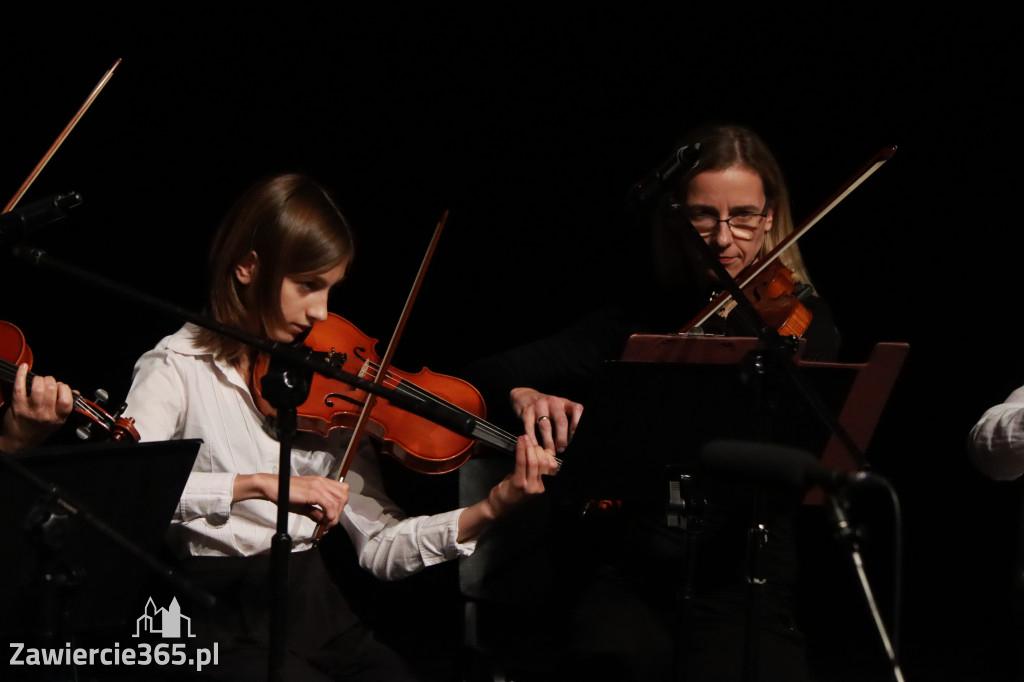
(670, 395)
(866, 385)
(123, 495)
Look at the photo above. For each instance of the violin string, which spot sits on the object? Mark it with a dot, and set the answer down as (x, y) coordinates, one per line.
(410, 387)
(427, 396)
(414, 389)
(83, 405)
(10, 370)
(499, 434)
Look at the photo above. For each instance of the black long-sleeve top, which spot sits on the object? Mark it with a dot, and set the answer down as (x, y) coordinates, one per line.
(569, 364)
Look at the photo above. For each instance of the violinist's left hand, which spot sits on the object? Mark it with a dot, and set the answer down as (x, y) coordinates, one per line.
(532, 463)
(35, 412)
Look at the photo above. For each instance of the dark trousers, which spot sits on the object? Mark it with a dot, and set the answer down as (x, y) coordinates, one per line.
(325, 640)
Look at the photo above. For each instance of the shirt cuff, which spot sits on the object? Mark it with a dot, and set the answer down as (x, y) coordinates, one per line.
(207, 495)
(438, 538)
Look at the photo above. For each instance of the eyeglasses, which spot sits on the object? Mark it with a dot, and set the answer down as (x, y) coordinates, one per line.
(743, 226)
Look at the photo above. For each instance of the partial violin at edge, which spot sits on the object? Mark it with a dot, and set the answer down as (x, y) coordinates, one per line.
(15, 351)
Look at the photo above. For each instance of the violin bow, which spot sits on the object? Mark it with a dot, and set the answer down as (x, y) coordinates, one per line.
(385, 361)
(60, 139)
(863, 174)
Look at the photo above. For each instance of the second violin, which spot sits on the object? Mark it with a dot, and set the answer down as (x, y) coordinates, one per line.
(772, 294)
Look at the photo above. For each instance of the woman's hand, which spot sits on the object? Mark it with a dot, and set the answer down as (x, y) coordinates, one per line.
(554, 418)
(321, 499)
(35, 411)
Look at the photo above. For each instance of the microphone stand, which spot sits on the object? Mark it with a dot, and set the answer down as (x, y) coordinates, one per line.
(285, 386)
(775, 352)
(848, 536)
(292, 358)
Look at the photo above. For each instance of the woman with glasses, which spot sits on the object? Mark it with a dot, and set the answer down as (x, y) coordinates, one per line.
(637, 609)
(736, 200)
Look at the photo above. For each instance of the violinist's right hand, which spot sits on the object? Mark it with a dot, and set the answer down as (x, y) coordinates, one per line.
(554, 418)
(321, 499)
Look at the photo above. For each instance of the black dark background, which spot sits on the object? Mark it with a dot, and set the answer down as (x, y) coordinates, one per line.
(529, 126)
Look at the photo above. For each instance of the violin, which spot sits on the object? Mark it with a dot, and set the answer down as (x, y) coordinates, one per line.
(418, 443)
(771, 293)
(14, 351)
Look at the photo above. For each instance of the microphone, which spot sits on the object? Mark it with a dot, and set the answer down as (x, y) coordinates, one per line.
(17, 223)
(778, 466)
(646, 193)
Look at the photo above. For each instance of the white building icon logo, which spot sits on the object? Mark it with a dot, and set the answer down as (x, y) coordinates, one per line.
(167, 622)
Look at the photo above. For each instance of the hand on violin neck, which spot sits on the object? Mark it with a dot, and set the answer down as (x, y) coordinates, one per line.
(547, 420)
(35, 411)
(526, 481)
(321, 499)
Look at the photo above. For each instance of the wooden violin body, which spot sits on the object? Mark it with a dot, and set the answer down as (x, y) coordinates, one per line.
(416, 442)
(771, 293)
(15, 351)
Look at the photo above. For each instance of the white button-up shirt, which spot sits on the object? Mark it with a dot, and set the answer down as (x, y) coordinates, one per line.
(180, 391)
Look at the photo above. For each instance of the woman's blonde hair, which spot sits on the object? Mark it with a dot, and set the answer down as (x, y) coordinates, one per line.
(725, 146)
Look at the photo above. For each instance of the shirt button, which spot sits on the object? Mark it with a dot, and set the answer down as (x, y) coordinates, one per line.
(273, 469)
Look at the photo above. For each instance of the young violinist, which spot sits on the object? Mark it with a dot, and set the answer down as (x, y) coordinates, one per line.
(275, 258)
(627, 618)
(36, 410)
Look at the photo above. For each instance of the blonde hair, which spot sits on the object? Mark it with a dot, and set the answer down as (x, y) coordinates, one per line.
(725, 146)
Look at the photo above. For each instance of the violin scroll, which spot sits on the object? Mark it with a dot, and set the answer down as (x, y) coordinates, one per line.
(114, 426)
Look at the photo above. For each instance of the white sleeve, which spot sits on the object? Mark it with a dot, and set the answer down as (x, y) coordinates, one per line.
(388, 544)
(157, 401)
(996, 443)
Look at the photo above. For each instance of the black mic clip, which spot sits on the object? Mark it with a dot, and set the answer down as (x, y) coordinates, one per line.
(646, 193)
(17, 223)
